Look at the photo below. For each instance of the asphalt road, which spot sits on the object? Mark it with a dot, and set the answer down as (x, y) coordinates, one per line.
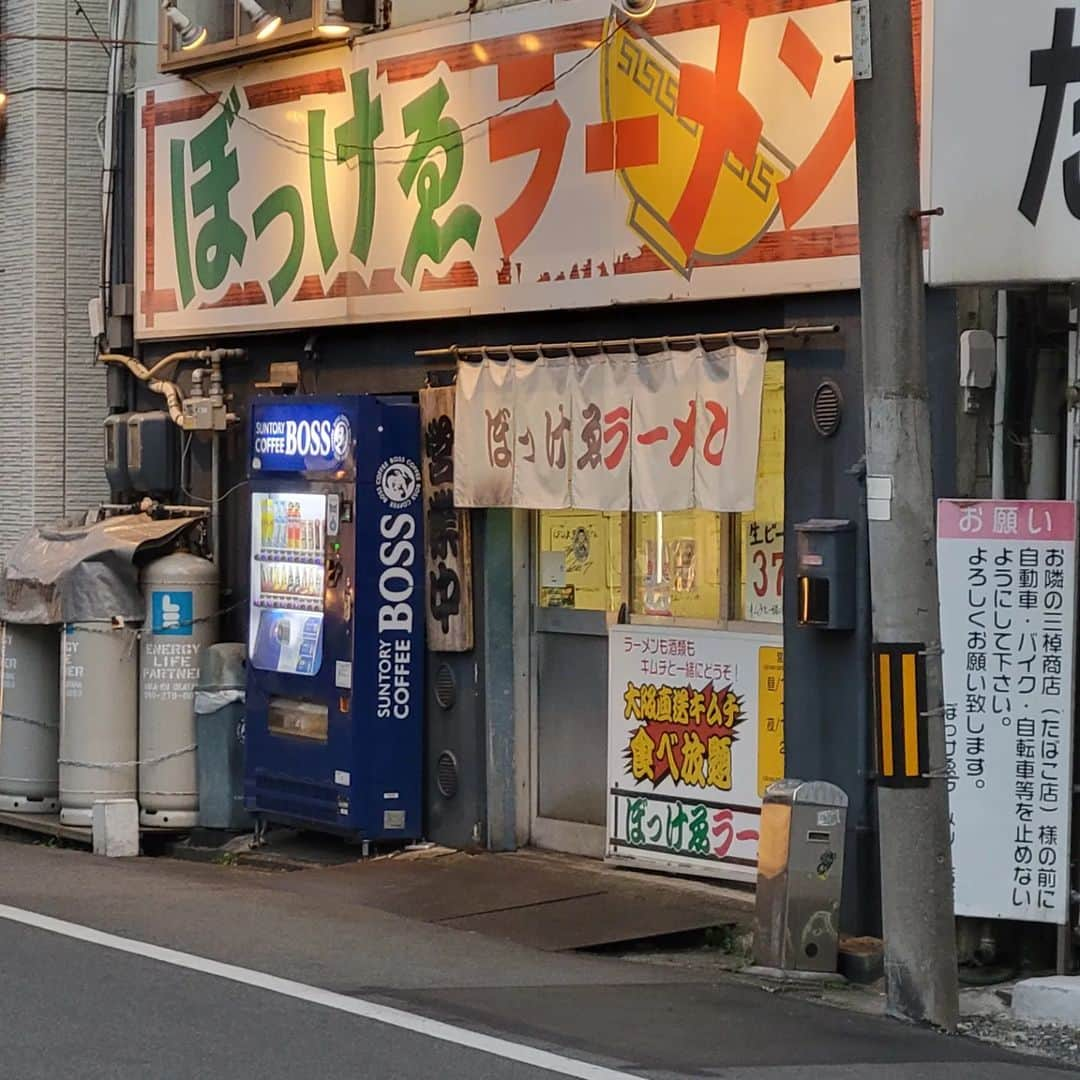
(170, 970)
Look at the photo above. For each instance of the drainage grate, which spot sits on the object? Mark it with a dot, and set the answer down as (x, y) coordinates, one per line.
(445, 687)
(827, 408)
(446, 775)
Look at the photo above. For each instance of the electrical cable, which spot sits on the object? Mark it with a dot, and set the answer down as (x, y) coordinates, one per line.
(202, 498)
(80, 10)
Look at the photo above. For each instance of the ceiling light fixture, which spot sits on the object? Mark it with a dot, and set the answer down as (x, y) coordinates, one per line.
(265, 24)
(333, 22)
(191, 34)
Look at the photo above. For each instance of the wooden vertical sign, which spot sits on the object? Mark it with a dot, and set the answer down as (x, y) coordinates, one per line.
(448, 538)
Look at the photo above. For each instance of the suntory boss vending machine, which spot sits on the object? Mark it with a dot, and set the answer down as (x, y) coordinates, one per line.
(336, 640)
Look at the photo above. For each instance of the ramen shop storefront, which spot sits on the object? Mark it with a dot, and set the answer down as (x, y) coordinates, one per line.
(654, 476)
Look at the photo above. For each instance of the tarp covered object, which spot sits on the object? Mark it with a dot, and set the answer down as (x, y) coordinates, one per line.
(74, 572)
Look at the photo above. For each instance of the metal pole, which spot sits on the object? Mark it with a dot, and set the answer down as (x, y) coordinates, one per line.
(676, 341)
(913, 822)
(215, 498)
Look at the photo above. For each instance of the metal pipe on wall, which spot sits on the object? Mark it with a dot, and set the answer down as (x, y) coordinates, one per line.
(1001, 379)
(215, 498)
(1044, 478)
(675, 341)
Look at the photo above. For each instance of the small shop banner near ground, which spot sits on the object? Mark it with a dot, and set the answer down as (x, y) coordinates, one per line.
(679, 428)
(1007, 574)
(695, 735)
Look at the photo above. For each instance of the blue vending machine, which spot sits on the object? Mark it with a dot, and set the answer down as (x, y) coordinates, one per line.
(336, 639)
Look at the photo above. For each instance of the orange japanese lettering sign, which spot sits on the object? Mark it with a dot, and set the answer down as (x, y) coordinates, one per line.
(504, 164)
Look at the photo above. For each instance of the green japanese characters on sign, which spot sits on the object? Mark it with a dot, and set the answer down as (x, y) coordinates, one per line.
(429, 177)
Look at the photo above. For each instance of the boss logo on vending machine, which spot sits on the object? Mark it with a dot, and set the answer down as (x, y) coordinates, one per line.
(299, 438)
(398, 482)
(340, 438)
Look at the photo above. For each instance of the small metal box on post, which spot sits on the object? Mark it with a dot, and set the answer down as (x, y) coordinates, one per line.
(800, 873)
(825, 574)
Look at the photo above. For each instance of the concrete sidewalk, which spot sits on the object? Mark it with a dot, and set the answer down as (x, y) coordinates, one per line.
(544, 900)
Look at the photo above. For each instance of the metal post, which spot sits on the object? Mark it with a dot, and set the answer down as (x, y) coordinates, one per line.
(913, 822)
(215, 498)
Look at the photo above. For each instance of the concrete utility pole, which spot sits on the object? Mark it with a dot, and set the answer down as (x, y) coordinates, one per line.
(913, 822)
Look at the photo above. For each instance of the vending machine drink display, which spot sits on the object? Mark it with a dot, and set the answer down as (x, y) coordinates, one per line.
(335, 694)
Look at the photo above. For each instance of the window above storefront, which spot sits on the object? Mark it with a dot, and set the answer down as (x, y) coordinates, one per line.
(200, 33)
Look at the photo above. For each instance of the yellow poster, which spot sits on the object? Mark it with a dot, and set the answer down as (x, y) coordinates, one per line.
(770, 717)
(761, 548)
(580, 560)
(677, 563)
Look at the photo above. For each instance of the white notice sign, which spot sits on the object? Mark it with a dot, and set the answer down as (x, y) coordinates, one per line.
(1007, 575)
(695, 735)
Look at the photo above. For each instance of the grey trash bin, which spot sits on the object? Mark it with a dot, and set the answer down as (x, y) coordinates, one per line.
(800, 873)
(219, 718)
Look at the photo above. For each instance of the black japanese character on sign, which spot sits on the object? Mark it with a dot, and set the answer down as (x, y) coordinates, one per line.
(529, 440)
(442, 525)
(592, 437)
(445, 595)
(498, 438)
(555, 439)
(1055, 69)
(439, 444)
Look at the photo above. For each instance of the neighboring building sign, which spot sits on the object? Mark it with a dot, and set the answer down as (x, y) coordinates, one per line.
(448, 555)
(501, 163)
(679, 430)
(695, 728)
(1003, 125)
(1007, 573)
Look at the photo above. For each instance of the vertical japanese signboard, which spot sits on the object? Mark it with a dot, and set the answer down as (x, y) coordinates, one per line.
(1008, 602)
(448, 555)
(693, 723)
(541, 156)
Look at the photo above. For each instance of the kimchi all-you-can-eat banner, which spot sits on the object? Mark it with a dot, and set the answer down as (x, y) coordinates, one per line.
(540, 156)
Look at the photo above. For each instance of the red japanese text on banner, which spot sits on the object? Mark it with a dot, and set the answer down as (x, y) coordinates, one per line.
(663, 430)
(484, 443)
(603, 403)
(728, 419)
(543, 436)
(677, 429)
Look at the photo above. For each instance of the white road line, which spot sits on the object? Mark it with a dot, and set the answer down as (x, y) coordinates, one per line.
(368, 1010)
